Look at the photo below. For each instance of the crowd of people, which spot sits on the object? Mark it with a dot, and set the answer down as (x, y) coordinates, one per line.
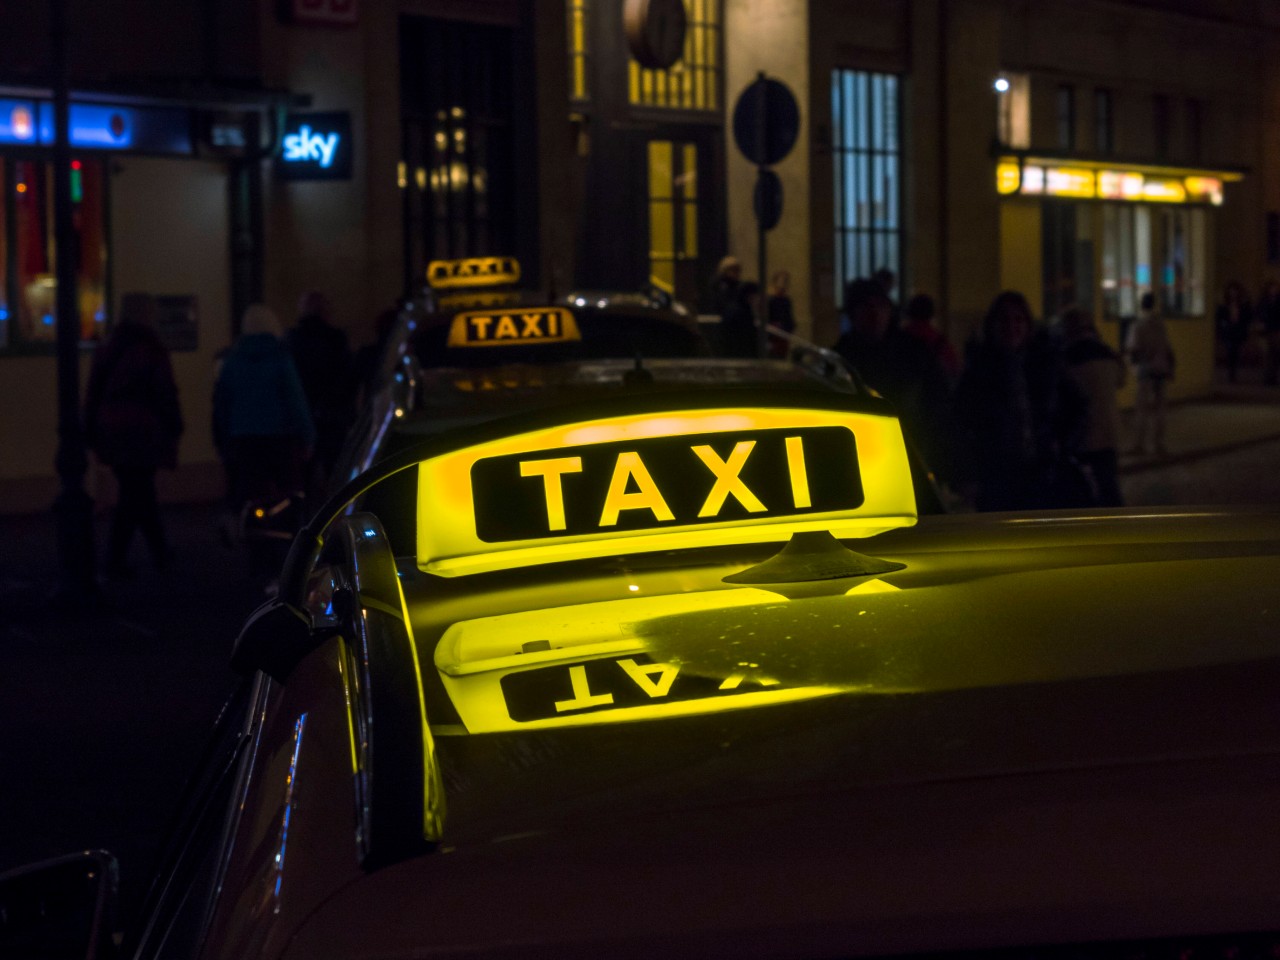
(1028, 418)
(282, 404)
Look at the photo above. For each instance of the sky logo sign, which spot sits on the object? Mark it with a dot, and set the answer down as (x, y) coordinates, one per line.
(316, 146)
(308, 146)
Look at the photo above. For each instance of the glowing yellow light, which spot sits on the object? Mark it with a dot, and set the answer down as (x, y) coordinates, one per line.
(473, 272)
(1033, 179)
(402, 178)
(21, 188)
(449, 544)
(1164, 190)
(259, 513)
(420, 177)
(1008, 178)
(634, 588)
(1069, 182)
(1205, 188)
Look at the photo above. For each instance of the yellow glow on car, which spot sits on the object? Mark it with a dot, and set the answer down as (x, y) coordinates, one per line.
(583, 490)
(587, 664)
(433, 783)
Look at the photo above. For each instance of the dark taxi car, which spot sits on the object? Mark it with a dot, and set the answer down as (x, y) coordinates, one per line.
(673, 668)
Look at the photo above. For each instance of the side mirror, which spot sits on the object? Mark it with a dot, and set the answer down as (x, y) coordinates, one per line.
(62, 909)
(276, 636)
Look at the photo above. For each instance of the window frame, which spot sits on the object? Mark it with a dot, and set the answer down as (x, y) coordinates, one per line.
(12, 341)
(704, 33)
(849, 164)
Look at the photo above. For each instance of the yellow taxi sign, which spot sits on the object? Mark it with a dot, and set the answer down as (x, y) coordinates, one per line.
(504, 328)
(659, 481)
(473, 272)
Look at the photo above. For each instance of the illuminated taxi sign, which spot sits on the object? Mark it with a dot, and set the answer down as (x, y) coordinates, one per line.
(652, 483)
(499, 328)
(473, 272)
(661, 481)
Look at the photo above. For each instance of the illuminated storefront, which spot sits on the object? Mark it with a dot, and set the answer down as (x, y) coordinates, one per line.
(1109, 232)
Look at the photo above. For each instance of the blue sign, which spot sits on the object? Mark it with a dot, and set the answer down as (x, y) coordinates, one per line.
(315, 146)
(97, 126)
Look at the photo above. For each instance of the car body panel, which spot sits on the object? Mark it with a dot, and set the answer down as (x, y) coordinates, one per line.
(1044, 729)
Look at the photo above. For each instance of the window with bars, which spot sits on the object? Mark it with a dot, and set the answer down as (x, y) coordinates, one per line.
(577, 10)
(867, 148)
(694, 82)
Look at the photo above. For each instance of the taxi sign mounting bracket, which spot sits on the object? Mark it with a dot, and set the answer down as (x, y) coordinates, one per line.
(810, 556)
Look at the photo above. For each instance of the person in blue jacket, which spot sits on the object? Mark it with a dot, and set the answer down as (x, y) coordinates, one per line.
(261, 422)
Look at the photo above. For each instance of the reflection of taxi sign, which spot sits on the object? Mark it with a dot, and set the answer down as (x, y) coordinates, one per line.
(473, 272)
(662, 481)
(498, 328)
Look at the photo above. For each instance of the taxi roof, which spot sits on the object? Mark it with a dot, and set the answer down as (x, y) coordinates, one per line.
(1059, 728)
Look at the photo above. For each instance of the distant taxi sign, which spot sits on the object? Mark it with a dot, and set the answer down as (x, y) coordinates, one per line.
(658, 481)
(499, 328)
(473, 272)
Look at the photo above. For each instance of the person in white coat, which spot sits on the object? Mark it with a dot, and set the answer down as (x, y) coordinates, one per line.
(1151, 354)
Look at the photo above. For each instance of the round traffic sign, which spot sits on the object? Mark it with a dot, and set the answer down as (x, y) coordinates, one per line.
(766, 121)
(767, 199)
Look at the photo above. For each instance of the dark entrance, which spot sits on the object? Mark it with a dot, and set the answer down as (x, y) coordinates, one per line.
(468, 177)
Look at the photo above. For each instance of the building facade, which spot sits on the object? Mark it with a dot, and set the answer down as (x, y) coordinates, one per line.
(1081, 151)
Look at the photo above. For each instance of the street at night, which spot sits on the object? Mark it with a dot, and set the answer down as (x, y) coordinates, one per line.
(639, 478)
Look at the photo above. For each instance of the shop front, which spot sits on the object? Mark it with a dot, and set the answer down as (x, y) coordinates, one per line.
(1102, 234)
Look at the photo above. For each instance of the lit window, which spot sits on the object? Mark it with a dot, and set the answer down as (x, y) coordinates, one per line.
(28, 272)
(693, 83)
(867, 165)
(673, 216)
(577, 14)
(1013, 110)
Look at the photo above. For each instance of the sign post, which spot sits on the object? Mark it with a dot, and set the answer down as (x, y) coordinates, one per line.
(766, 123)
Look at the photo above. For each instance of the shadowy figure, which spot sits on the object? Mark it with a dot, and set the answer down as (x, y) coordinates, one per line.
(325, 368)
(722, 291)
(1020, 413)
(1151, 354)
(368, 359)
(1269, 314)
(738, 337)
(780, 312)
(261, 423)
(901, 369)
(133, 422)
(1233, 320)
(1098, 372)
(920, 325)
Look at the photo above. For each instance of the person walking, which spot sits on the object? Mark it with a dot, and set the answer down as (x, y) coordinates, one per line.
(132, 423)
(1234, 320)
(920, 325)
(1099, 372)
(738, 325)
(1151, 354)
(780, 312)
(1269, 314)
(722, 292)
(1020, 412)
(327, 371)
(261, 422)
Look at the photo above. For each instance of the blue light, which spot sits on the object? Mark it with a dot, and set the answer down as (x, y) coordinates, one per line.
(47, 319)
(4, 314)
(308, 146)
(92, 125)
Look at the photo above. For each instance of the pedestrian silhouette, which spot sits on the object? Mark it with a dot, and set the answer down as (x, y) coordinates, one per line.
(327, 372)
(133, 422)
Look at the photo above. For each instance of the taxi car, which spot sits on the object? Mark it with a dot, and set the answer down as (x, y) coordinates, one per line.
(678, 670)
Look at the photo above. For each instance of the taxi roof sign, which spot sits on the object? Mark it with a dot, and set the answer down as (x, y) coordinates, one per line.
(658, 480)
(501, 328)
(473, 272)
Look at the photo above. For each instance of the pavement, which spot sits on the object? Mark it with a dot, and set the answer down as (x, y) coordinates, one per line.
(102, 710)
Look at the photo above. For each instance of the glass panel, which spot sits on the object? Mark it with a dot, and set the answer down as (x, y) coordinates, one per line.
(689, 173)
(662, 241)
(6, 188)
(659, 169)
(862, 110)
(1196, 264)
(691, 229)
(1142, 279)
(877, 113)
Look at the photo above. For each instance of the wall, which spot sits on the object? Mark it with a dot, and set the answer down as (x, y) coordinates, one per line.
(772, 36)
(170, 236)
